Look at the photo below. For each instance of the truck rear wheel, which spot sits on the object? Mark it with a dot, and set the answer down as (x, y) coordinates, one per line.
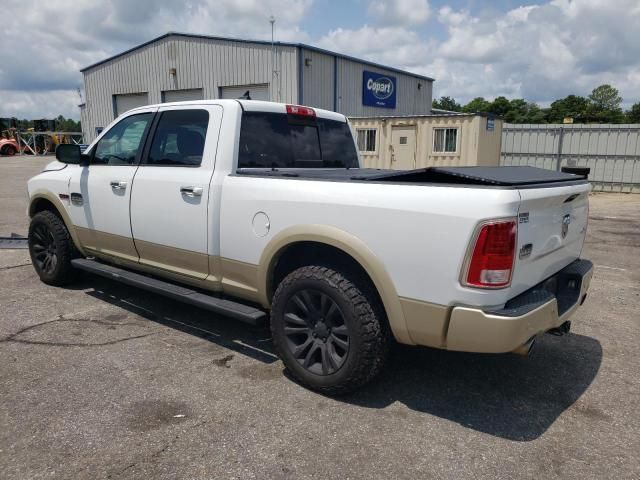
(328, 330)
(51, 248)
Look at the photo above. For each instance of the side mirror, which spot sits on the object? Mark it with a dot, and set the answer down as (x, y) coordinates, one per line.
(71, 154)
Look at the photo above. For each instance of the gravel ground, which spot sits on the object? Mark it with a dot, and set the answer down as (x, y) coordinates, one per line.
(99, 380)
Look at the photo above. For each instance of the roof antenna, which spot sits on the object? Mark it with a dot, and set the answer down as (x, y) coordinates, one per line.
(245, 96)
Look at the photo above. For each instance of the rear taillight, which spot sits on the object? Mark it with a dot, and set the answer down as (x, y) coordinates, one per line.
(491, 262)
(300, 111)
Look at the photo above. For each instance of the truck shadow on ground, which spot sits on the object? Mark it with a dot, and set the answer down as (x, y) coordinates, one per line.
(516, 398)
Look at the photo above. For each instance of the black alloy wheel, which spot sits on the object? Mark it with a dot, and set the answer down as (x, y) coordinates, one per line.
(316, 332)
(43, 245)
(329, 328)
(51, 248)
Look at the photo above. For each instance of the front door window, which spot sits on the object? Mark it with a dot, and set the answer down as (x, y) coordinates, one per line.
(120, 145)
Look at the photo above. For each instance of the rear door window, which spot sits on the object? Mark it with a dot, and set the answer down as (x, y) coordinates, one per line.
(278, 140)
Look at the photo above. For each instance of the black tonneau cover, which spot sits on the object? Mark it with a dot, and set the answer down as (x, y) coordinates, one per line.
(514, 177)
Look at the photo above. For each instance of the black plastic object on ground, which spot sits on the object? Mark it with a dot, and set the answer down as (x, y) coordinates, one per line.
(15, 241)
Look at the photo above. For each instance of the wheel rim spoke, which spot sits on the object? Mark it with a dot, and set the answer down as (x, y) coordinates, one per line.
(340, 343)
(310, 354)
(300, 350)
(327, 367)
(332, 310)
(296, 330)
(315, 330)
(38, 235)
(295, 319)
(301, 304)
(340, 330)
(333, 358)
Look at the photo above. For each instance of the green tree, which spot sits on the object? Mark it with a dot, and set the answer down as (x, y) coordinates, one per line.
(447, 103)
(67, 124)
(521, 111)
(573, 106)
(478, 104)
(633, 115)
(500, 106)
(604, 105)
(606, 97)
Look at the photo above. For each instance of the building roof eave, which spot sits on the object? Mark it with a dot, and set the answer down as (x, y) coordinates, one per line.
(258, 42)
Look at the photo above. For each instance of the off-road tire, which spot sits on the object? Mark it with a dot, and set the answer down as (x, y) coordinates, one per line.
(362, 314)
(48, 231)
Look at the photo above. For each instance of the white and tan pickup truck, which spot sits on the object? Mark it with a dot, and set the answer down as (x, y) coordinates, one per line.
(259, 211)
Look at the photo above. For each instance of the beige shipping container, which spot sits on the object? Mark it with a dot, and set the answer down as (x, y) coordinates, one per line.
(407, 142)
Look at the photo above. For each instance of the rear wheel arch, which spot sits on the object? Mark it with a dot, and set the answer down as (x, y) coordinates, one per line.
(318, 242)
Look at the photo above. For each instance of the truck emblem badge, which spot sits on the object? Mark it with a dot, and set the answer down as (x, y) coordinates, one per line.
(566, 220)
(525, 251)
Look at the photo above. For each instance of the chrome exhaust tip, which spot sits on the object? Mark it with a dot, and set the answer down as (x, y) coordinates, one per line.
(525, 349)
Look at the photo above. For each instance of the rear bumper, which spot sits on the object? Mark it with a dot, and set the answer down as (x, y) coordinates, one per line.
(541, 308)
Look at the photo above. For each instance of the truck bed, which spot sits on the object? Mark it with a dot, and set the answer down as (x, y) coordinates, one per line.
(502, 177)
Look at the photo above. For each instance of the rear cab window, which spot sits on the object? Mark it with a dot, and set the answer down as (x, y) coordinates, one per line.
(280, 140)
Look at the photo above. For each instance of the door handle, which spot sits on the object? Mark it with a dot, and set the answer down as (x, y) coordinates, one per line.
(191, 191)
(115, 185)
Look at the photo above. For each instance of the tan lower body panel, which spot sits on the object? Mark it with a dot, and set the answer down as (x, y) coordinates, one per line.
(175, 264)
(107, 243)
(472, 330)
(177, 260)
(426, 322)
(239, 279)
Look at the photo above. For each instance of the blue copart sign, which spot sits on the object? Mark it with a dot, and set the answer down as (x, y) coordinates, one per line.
(378, 90)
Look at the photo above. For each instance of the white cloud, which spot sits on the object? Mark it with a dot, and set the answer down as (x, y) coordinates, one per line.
(400, 12)
(39, 104)
(540, 52)
(47, 44)
(395, 46)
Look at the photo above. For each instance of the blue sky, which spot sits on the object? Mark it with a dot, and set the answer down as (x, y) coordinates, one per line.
(539, 51)
(330, 14)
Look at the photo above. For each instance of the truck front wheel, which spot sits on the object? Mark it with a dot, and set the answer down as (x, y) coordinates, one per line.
(328, 330)
(51, 248)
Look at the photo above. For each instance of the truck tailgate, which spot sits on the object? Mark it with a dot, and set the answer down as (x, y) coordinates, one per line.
(552, 224)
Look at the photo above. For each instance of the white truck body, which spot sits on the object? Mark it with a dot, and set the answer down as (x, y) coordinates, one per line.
(411, 238)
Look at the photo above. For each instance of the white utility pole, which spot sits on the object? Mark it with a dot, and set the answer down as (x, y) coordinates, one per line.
(275, 83)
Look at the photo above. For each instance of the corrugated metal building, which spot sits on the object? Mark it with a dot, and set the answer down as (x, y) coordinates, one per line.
(178, 66)
(442, 139)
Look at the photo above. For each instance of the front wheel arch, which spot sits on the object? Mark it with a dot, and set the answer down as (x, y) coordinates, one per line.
(43, 200)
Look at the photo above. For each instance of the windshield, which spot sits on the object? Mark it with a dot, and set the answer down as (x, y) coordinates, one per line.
(278, 140)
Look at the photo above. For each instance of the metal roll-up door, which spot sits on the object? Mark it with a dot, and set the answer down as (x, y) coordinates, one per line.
(125, 102)
(256, 92)
(182, 95)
